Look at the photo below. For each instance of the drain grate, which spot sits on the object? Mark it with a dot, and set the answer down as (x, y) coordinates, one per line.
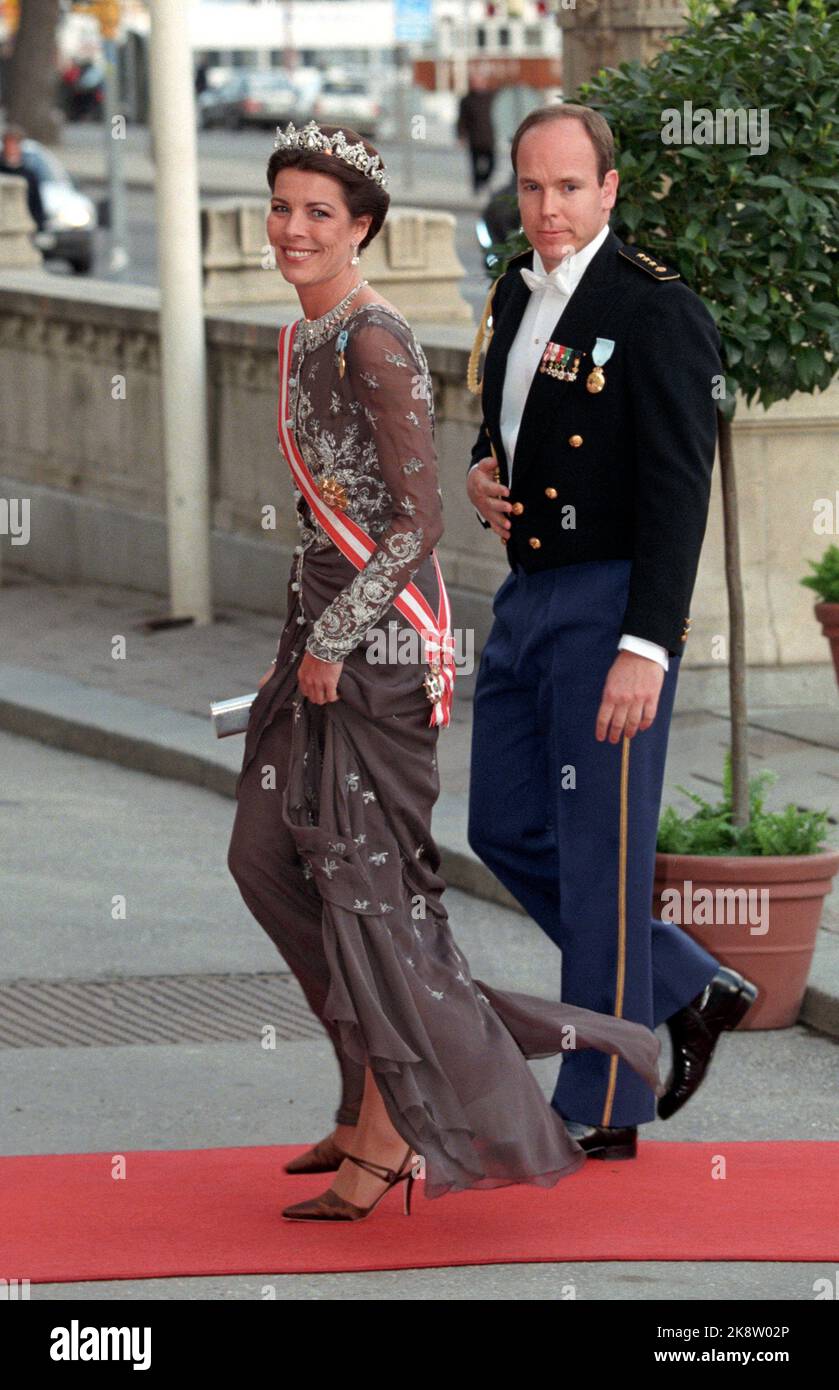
(153, 1009)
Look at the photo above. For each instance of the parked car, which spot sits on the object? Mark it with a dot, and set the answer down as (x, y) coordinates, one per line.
(499, 220)
(70, 217)
(263, 98)
(348, 101)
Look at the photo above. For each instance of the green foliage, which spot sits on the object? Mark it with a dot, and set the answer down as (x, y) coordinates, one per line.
(709, 830)
(754, 234)
(825, 576)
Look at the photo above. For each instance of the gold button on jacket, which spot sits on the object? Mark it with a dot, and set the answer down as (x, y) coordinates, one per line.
(535, 542)
(517, 508)
(551, 492)
(575, 440)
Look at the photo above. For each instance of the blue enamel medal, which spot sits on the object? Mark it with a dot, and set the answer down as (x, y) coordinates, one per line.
(600, 354)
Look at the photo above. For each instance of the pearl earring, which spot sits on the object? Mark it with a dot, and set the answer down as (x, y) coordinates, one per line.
(354, 260)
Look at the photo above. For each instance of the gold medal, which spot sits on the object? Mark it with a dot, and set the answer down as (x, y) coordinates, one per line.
(600, 354)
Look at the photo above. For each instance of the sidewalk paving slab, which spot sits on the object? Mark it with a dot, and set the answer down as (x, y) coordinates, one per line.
(60, 688)
(150, 712)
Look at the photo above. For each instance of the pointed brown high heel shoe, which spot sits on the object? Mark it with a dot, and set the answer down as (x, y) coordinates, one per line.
(325, 1157)
(330, 1207)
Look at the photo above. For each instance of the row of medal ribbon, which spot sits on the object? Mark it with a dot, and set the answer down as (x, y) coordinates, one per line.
(556, 357)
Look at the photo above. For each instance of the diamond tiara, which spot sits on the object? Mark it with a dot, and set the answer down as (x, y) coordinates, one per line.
(311, 137)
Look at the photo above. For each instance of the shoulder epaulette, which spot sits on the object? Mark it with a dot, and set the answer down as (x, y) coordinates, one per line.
(653, 267)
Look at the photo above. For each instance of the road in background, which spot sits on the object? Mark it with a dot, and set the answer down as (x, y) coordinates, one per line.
(233, 164)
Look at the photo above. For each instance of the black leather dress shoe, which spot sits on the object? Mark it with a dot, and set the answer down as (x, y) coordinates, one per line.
(605, 1141)
(695, 1030)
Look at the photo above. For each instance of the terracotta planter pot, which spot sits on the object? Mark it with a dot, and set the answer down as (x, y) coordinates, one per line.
(768, 933)
(828, 616)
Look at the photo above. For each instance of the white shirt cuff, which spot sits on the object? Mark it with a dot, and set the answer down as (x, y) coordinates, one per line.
(642, 647)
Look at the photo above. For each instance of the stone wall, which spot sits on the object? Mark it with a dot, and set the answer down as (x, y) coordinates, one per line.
(605, 33)
(88, 455)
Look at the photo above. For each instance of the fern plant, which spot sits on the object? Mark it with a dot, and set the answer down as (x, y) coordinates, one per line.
(710, 828)
(825, 576)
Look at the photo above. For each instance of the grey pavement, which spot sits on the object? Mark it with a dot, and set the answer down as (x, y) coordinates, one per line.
(150, 711)
(85, 819)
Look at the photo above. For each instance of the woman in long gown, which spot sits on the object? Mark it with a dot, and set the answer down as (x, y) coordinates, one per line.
(332, 847)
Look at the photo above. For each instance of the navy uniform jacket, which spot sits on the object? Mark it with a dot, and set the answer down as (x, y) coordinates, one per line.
(625, 472)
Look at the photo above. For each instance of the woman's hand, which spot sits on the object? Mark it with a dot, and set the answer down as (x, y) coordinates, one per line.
(268, 674)
(318, 680)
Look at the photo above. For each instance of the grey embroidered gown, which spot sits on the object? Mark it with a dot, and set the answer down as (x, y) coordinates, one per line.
(332, 846)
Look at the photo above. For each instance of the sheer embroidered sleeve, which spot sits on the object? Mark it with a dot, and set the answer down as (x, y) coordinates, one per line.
(390, 388)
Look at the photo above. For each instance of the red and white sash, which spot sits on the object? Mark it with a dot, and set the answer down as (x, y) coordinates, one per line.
(355, 544)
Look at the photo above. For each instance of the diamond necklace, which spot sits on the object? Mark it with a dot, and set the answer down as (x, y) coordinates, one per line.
(319, 328)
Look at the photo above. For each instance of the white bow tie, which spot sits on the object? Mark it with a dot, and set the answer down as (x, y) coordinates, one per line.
(560, 278)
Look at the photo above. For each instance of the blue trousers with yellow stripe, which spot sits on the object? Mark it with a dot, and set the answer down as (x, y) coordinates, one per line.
(568, 824)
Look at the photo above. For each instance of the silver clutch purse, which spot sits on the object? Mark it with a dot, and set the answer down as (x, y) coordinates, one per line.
(232, 716)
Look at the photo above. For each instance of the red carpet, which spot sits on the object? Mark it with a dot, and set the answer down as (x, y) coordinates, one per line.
(217, 1211)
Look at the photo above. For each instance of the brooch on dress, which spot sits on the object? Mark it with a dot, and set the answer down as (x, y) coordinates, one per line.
(333, 493)
(435, 687)
(343, 337)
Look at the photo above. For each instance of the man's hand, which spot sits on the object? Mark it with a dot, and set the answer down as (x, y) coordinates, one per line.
(630, 696)
(318, 680)
(488, 496)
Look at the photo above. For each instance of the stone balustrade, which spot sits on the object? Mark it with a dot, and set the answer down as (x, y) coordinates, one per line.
(412, 261)
(80, 436)
(16, 224)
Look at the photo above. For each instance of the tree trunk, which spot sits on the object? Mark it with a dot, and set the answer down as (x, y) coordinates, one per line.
(736, 627)
(33, 73)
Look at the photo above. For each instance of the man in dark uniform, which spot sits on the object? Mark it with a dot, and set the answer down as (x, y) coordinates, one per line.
(593, 465)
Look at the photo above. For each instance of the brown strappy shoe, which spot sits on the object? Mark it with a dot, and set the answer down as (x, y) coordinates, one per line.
(325, 1157)
(330, 1207)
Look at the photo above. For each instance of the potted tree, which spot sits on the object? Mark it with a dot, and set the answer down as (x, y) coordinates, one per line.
(751, 225)
(825, 581)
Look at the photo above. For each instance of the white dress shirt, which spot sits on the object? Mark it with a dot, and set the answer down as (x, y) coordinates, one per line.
(544, 307)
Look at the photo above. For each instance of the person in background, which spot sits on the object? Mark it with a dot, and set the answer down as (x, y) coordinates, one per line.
(475, 129)
(11, 162)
